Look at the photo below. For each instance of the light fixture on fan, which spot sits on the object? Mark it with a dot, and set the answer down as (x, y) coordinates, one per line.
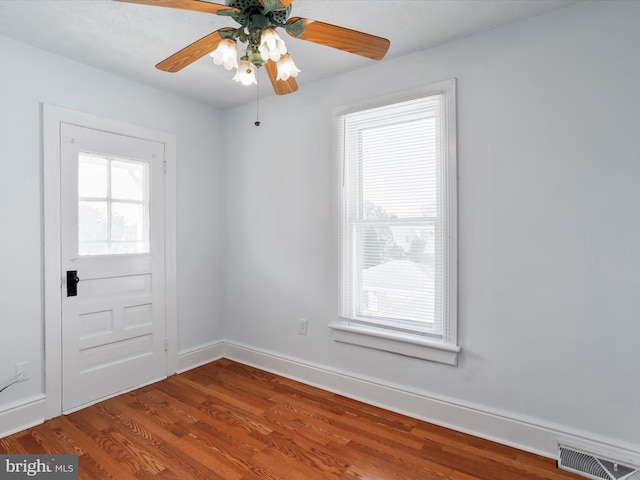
(270, 47)
(259, 20)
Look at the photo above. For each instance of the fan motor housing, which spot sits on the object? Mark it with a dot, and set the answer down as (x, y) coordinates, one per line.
(248, 7)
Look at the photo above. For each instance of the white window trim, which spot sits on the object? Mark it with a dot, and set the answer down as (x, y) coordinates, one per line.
(409, 344)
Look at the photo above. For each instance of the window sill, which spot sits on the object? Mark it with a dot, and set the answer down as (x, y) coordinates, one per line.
(408, 345)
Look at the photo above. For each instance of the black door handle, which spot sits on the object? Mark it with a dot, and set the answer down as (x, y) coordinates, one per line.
(72, 283)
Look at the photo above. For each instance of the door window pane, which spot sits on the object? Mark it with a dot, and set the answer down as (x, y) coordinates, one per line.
(127, 221)
(92, 221)
(113, 205)
(127, 180)
(92, 177)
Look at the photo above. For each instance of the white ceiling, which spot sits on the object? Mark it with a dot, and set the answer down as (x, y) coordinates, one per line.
(129, 39)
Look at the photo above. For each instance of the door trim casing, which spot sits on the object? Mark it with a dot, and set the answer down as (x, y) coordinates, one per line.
(52, 117)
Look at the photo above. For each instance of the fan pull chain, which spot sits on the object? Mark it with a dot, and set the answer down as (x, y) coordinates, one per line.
(257, 122)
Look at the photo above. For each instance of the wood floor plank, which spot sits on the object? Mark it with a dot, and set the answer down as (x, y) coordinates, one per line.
(228, 421)
(180, 452)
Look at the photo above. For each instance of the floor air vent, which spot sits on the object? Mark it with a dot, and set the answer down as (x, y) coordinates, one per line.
(593, 466)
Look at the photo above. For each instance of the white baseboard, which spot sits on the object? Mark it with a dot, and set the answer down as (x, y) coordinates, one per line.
(201, 355)
(523, 433)
(32, 411)
(28, 413)
(531, 435)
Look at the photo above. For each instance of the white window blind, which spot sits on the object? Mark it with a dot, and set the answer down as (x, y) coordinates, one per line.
(398, 214)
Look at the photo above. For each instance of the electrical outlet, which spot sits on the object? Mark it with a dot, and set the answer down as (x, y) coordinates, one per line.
(303, 326)
(21, 368)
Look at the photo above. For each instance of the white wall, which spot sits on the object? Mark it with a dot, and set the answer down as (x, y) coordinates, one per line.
(548, 164)
(549, 227)
(30, 77)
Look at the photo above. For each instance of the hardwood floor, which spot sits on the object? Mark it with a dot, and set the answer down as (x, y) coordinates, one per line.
(233, 422)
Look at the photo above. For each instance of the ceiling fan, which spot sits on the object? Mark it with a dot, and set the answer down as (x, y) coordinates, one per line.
(258, 20)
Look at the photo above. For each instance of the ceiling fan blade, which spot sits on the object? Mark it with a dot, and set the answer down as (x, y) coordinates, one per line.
(195, 5)
(281, 87)
(342, 38)
(193, 52)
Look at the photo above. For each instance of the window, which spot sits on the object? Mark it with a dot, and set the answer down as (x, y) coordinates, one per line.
(113, 205)
(398, 225)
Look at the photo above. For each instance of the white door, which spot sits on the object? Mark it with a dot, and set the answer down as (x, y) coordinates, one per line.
(112, 254)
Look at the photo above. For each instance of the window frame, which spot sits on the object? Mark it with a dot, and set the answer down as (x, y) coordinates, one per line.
(110, 199)
(440, 346)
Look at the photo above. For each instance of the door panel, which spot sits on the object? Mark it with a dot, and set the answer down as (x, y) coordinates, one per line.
(112, 224)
